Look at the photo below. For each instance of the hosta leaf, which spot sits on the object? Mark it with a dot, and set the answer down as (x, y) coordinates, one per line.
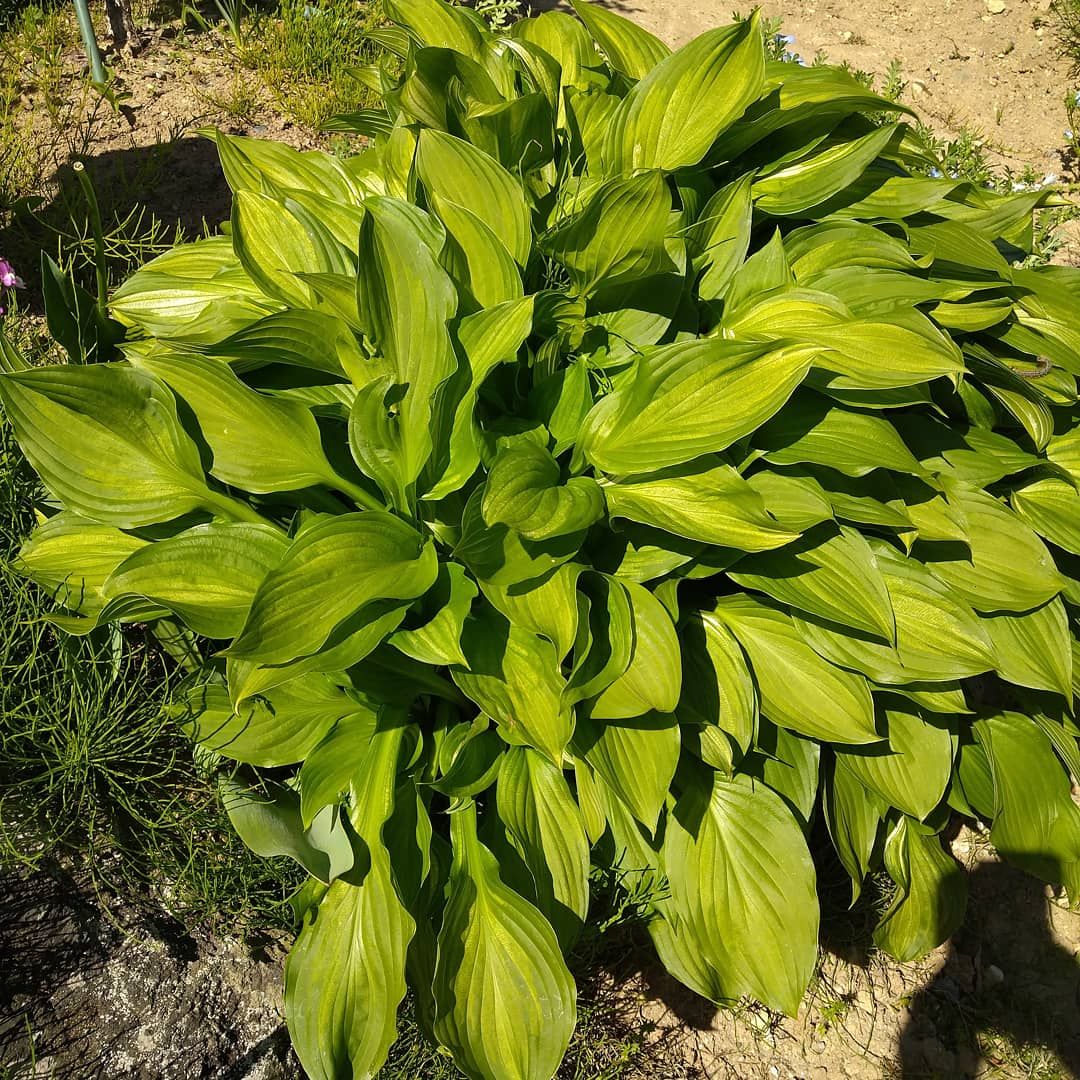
(279, 726)
(1051, 506)
(704, 500)
(328, 770)
(799, 690)
(107, 442)
(437, 641)
(678, 404)
(719, 239)
(604, 638)
(269, 823)
(548, 607)
(513, 675)
(1036, 823)
(345, 976)
(912, 771)
(798, 501)
(71, 558)
(832, 574)
(524, 491)
(931, 893)
(852, 815)
(208, 575)
(456, 172)
(618, 235)
(675, 113)
(476, 257)
(635, 758)
(544, 823)
(1034, 648)
(820, 175)
(406, 299)
(938, 637)
(653, 679)
(505, 1000)
(630, 50)
(789, 765)
(812, 430)
(259, 443)
(1005, 567)
(742, 883)
(330, 572)
(717, 685)
(276, 239)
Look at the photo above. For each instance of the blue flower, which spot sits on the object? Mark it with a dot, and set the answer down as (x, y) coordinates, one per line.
(785, 39)
(935, 173)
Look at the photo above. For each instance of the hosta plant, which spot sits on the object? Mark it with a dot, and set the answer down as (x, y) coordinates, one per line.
(632, 457)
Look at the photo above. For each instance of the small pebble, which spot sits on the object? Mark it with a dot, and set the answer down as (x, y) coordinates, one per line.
(995, 7)
(994, 975)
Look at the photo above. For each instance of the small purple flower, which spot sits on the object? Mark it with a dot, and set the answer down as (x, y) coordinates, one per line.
(935, 174)
(8, 278)
(786, 39)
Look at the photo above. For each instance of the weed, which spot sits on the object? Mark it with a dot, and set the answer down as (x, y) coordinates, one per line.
(1066, 14)
(304, 52)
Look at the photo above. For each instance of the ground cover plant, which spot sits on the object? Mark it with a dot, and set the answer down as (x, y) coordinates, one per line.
(628, 458)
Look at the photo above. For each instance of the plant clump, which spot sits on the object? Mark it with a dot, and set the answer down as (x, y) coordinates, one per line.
(629, 458)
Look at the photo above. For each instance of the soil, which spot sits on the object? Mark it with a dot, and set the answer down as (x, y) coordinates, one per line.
(93, 994)
(120, 996)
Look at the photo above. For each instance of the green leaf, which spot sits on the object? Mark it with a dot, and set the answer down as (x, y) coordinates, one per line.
(269, 823)
(618, 235)
(653, 679)
(330, 768)
(454, 171)
(107, 442)
(330, 572)
(72, 558)
(259, 443)
(718, 688)
(1006, 567)
(636, 759)
(345, 976)
(938, 637)
(1051, 506)
(280, 725)
(743, 887)
(505, 1001)
(675, 113)
(1036, 824)
(830, 573)
(546, 827)
(719, 240)
(437, 641)
(405, 300)
(852, 815)
(799, 690)
(513, 676)
(1035, 649)
(631, 50)
(931, 894)
(678, 404)
(208, 576)
(525, 492)
(912, 771)
(811, 429)
(705, 500)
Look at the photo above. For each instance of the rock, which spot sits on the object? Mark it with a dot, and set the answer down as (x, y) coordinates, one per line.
(918, 87)
(845, 37)
(995, 7)
(993, 975)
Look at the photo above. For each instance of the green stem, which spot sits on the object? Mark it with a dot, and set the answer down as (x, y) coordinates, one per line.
(99, 237)
(93, 53)
(360, 496)
(236, 509)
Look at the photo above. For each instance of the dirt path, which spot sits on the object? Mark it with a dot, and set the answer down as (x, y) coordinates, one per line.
(997, 73)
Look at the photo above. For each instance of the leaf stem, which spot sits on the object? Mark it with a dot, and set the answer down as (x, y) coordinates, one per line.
(360, 496)
(236, 509)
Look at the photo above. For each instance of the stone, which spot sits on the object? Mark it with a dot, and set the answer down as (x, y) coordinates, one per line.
(995, 7)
